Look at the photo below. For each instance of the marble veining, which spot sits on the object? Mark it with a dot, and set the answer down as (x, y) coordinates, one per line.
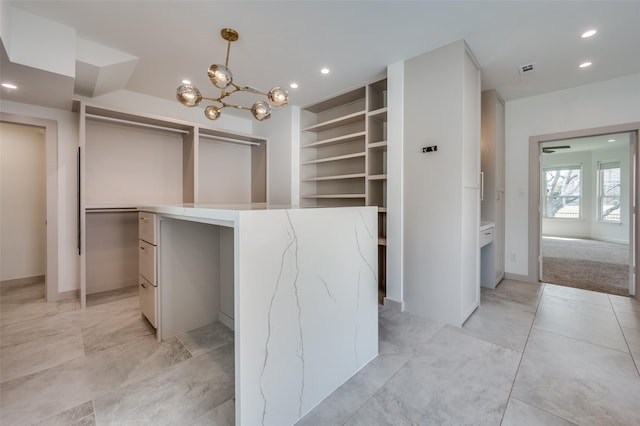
(318, 314)
(269, 320)
(326, 287)
(297, 294)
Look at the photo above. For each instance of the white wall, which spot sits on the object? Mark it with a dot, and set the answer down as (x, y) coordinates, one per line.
(22, 201)
(606, 103)
(225, 172)
(282, 135)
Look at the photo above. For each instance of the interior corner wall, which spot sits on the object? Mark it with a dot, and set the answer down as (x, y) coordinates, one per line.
(23, 201)
(611, 102)
(67, 184)
(278, 131)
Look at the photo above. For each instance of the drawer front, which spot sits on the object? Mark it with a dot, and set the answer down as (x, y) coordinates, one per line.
(147, 227)
(148, 301)
(486, 237)
(147, 261)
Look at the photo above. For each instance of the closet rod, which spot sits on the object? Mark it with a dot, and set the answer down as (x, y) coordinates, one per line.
(223, 139)
(135, 123)
(152, 126)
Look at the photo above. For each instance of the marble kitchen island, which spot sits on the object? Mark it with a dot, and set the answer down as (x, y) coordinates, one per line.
(298, 286)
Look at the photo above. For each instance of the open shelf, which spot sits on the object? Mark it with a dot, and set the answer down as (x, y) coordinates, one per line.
(377, 145)
(337, 158)
(320, 196)
(336, 122)
(379, 114)
(337, 140)
(337, 177)
(343, 155)
(377, 177)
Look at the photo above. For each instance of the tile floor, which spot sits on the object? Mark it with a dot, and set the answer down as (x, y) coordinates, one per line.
(530, 355)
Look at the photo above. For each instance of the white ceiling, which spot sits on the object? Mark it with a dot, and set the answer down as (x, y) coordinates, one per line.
(285, 41)
(590, 143)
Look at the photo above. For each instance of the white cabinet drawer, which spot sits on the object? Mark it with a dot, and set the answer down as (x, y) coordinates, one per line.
(147, 227)
(148, 300)
(486, 237)
(147, 261)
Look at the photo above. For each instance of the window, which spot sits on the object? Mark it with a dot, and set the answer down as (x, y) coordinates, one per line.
(609, 192)
(562, 200)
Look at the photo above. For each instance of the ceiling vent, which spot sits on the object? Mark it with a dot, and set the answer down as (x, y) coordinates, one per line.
(528, 68)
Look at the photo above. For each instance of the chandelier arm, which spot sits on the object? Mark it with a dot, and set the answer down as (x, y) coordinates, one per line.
(226, 105)
(252, 90)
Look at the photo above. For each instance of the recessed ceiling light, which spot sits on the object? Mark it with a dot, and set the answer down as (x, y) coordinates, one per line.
(9, 85)
(585, 64)
(588, 34)
(294, 85)
(325, 70)
(186, 82)
(611, 140)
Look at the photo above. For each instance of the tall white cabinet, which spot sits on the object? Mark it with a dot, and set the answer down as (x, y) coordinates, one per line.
(492, 205)
(441, 190)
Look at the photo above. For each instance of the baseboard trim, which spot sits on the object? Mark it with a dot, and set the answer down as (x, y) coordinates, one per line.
(22, 281)
(226, 320)
(518, 277)
(392, 304)
(64, 295)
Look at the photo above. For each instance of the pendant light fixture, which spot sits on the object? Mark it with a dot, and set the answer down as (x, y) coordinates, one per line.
(221, 77)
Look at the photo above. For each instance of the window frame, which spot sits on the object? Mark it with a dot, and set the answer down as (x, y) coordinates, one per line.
(570, 166)
(600, 182)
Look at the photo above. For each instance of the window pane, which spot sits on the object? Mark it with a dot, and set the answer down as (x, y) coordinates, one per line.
(610, 192)
(563, 193)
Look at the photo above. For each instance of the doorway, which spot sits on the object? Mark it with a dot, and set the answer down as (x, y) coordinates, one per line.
(23, 204)
(583, 192)
(48, 131)
(585, 215)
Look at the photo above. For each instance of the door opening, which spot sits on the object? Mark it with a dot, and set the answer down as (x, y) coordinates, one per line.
(49, 131)
(23, 204)
(583, 200)
(585, 231)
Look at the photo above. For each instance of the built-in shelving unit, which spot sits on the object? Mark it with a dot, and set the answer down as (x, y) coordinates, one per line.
(343, 155)
(128, 160)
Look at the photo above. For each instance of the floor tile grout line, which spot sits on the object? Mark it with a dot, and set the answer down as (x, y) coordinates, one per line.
(515, 376)
(624, 336)
(546, 411)
(379, 389)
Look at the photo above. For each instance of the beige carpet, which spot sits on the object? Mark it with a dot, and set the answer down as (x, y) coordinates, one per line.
(588, 264)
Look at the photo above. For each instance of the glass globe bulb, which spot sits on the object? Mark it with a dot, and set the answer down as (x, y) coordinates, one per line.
(212, 112)
(261, 110)
(188, 95)
(278, 97)
(220, 76)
